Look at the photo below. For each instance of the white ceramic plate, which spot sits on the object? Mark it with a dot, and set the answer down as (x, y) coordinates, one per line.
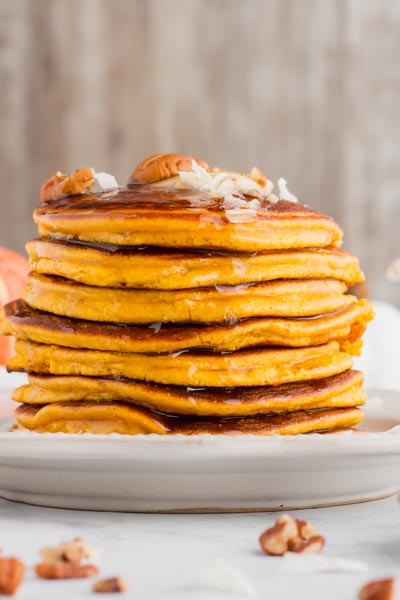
(204, 473)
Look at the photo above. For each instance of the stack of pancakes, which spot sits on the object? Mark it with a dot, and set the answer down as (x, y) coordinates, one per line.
(156, 309)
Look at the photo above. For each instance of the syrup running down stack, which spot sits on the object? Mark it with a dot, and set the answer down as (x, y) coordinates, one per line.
(192, 301)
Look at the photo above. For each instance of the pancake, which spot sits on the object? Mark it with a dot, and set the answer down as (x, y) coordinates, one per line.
(143, 215)
(106, 418)
(342, 390)
(244, 368)
(156, 268)
(346, 326)
(285, 298)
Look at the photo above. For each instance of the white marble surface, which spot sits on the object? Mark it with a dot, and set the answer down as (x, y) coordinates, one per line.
(159, 554)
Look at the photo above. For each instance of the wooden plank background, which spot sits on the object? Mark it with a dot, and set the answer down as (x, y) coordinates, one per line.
(307, 89)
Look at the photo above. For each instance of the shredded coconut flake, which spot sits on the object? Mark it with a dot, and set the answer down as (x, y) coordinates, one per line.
(219, 575)
(178, 353)
(393, 271)
(228, 289)
(284, 193)
(104, 182)
(192, 370)
(233, 187)
(241, 193)
(156, 326)
(241, 215)
(225, 184)
(240, 267)
(235, 202)
(314, 563)
(254, 204)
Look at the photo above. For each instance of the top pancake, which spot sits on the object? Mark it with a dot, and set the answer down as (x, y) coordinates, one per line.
(157, 217)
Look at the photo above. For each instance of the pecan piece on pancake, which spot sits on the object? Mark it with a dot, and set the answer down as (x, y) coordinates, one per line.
(291, 535)
(162, 166)
(12, 573)
(77, 182)
(382, 589)
(110, 585)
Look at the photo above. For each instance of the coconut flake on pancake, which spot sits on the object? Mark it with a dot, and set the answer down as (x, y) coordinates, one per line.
(284, 193)
(231, 186)
(105, 182)
(223, 183)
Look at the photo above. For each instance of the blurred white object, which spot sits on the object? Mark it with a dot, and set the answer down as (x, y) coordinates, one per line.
(315, 563)
(9, 381)
(221, 576)
(393, 270)
(284, 193)
(380, 356)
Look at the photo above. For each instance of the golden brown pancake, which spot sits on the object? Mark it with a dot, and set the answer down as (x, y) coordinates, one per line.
(110, 417)
(111, 266)
(283, 298)
(144, 215)
(346, 326)
(342, 390)
(258, 366)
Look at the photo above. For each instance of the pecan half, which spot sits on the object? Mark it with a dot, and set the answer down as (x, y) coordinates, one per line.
(291, 535)
(275, 540)
(77, 182)
(12, 573)
(381, 589)
(258, 176)
(313, 545)
(112, 584)
(162, 166)
(65, 570)
(305, 529)
(74, 551)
